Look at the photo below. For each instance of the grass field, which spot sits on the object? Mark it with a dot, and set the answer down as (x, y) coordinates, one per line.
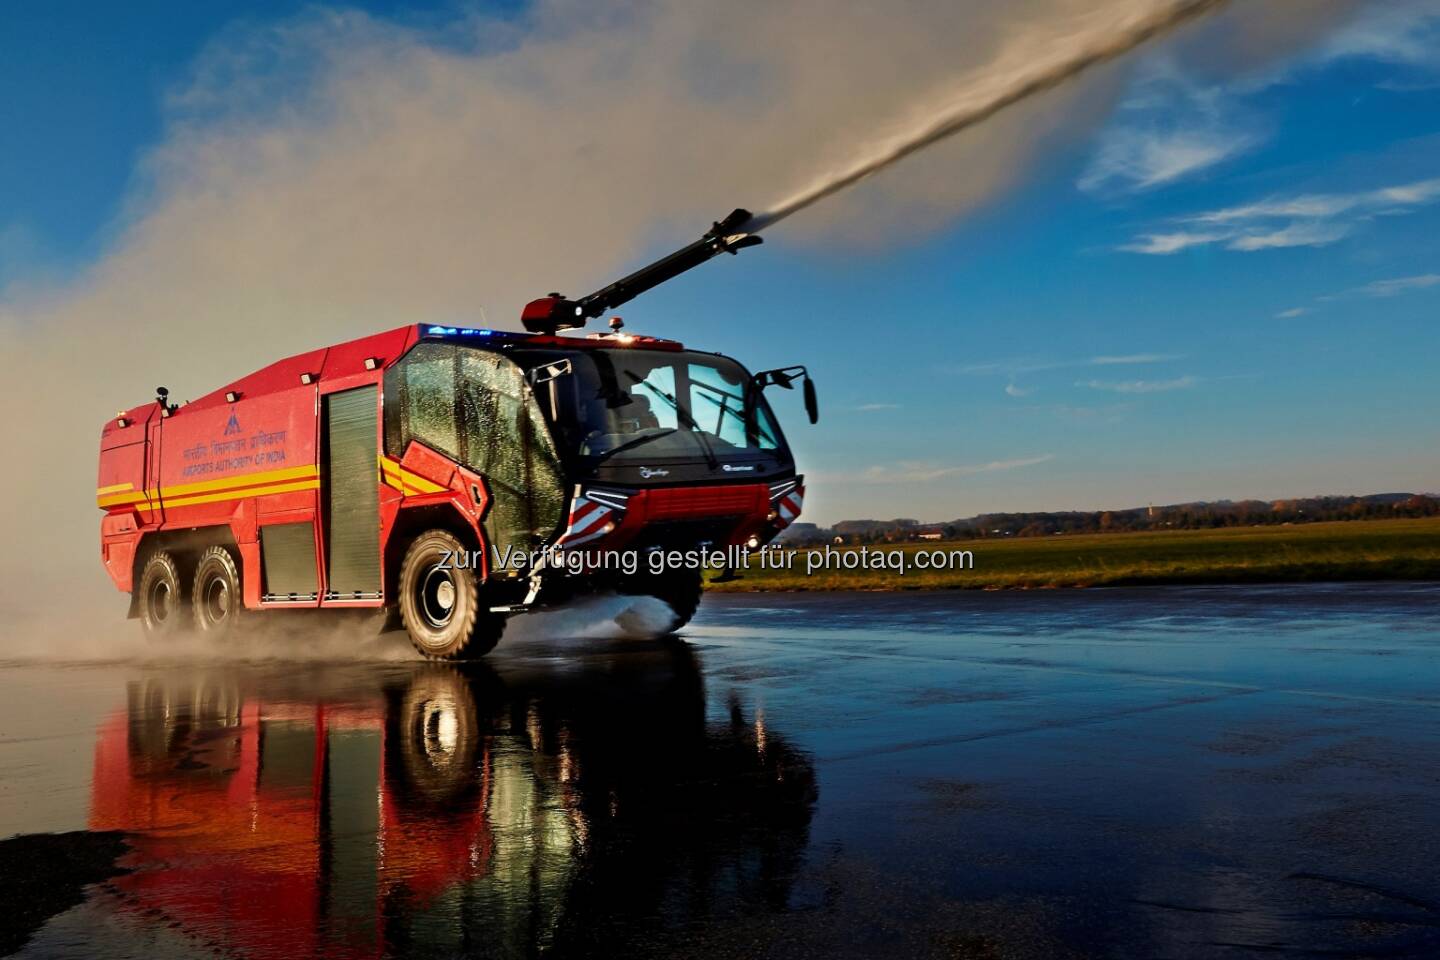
(1348, 550)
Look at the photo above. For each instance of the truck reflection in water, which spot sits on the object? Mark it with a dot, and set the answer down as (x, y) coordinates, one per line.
(424, 809)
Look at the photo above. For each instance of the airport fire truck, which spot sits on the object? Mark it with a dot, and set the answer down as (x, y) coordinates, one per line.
(440, 472)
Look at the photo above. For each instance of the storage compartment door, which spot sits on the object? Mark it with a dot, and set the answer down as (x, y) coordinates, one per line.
(352, 494)
(287, 551)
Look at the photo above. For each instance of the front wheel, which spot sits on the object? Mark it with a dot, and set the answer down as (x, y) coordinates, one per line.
(440, 600)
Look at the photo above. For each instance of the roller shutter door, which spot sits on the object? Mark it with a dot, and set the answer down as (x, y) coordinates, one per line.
(352, 494)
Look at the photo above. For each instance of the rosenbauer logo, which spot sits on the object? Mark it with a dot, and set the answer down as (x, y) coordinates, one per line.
(737, 468)
(648, 472)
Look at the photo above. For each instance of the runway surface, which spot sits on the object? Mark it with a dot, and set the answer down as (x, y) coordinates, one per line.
(1166, 772)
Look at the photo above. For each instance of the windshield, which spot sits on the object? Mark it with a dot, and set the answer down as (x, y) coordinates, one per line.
(623, 405)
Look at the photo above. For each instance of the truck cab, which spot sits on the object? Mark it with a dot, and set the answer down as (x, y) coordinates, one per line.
(624, 446)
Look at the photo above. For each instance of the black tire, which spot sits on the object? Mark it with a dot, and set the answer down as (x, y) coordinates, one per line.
(161, 598)
(441, 603)
(679, 589)
(215, 598)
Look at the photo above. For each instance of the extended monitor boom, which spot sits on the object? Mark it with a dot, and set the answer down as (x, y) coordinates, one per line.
(553, 312)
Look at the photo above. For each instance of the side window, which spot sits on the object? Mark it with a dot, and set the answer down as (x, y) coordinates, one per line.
(474, 406)
(506, 440)
(430, 400)
(420, 401)
(765, 431)
(492, 400)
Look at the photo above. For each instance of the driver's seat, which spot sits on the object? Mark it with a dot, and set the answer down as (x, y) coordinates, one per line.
(642, 412)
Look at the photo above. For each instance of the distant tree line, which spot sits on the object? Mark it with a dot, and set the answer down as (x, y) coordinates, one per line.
(1186, 516)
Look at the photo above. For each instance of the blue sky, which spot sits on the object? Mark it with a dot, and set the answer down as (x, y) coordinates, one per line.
(1229, 288)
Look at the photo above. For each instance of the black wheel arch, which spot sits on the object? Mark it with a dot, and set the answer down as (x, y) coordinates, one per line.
(410, 522)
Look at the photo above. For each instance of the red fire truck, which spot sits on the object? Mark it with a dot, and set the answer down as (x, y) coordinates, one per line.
(451, 475)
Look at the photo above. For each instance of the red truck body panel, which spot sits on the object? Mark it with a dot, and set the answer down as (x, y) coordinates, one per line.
(250, 455)
(243, 456)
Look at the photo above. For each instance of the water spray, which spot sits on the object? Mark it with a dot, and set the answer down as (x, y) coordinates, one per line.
(980, 102)
(972, 105)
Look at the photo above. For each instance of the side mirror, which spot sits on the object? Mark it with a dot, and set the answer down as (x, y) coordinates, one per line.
(786, 377)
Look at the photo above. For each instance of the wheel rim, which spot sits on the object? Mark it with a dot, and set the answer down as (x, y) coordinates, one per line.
(215, 599)
(160, 601)
(437, 596)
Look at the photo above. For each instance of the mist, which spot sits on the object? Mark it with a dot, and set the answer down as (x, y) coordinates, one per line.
(337, 175)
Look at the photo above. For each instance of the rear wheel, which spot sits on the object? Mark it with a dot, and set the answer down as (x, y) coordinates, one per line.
(162, 601)
(441, 603)
(679, 589)
(215, 598)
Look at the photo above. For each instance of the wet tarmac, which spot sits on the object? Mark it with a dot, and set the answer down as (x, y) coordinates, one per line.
(1187, 772)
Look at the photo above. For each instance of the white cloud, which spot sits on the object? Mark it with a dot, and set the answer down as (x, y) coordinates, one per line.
(1164, 244)
(1014, 391)
(1397, 286)
(1398, 31)
(1379, 289)
(1010, 367)
(1135, 358)
(872, 407)
(1409, 86)
(1386, 200)
(1140, 160)
(1170, 128)
(1140, 386)
(921, 472)
(1294, 235)
(1314, 220)
(1411, 194)
(1021, 365)
(1313, 206)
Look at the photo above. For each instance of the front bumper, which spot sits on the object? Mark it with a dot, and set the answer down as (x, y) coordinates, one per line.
(609, 518)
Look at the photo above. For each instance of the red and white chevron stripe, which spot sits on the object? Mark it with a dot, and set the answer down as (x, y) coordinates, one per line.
(787, 508)
(588, 521)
